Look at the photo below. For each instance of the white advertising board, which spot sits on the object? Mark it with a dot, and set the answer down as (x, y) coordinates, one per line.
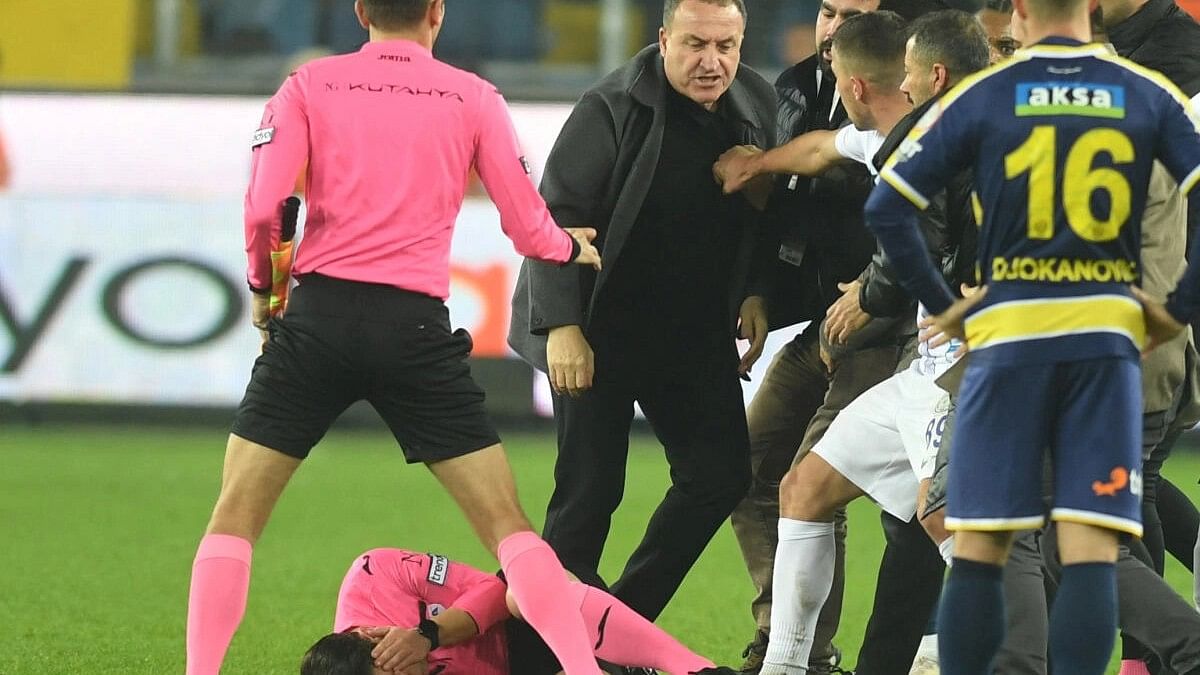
(121, 264)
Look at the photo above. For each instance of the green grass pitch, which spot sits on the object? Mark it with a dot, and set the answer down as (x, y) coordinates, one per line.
(100, 525)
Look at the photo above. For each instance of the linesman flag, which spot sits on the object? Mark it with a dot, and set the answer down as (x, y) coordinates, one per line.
(281, 257)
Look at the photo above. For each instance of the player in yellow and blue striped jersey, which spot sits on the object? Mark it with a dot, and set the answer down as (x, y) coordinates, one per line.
(1062, 139)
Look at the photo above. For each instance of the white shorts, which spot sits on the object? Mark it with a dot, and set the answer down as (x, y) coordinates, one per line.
(886, 440)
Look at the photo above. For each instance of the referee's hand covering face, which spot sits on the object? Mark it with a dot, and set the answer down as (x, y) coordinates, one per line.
(701, 44)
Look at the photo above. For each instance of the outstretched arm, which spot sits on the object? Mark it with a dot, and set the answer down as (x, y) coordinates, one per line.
(809, 154)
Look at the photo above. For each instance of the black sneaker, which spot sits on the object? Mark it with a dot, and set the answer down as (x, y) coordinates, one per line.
(754, 654)
(640, 671)
(719, 670)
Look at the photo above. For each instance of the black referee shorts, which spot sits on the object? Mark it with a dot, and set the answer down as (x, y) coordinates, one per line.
(345, 341)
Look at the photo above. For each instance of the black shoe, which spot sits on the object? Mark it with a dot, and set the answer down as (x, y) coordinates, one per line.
(754, 654)
(719, 670)
(640, 671)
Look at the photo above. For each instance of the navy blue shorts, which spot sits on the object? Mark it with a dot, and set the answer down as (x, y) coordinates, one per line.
(1086, 414)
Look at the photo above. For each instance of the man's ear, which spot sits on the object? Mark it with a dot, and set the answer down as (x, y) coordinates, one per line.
(859, 87)
(361, 13)
(941, 78)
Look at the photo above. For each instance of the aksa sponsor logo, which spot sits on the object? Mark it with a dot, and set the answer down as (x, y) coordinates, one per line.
(1070, 98)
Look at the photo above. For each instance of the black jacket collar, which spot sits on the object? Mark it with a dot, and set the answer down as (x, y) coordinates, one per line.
(648, 86)
(1134, 31)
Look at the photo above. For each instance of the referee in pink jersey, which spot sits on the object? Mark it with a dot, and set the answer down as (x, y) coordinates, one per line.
(390, 135)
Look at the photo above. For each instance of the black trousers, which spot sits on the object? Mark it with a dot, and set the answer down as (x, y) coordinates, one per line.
(908, 588)
(688, 388)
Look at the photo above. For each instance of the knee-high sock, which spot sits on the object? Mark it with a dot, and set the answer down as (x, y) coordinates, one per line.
(1133, 667)
(622, 636)
(971, 619)
(216, 601)
(802, 579)
(1083, 621)
(542, 590)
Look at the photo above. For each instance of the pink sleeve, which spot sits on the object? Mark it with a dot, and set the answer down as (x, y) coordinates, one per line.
(499, 161)
(455, 585)
(483, 597)
(280, 147)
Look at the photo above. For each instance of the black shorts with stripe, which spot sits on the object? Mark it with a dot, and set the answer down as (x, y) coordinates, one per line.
(345, 341)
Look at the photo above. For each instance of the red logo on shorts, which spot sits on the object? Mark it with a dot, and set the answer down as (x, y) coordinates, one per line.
(1118, 479)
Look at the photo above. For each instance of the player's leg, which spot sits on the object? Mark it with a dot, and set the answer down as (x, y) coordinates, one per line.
(482, 484)
(423, 390)
(791, 391)
(1097, 476)
(994, 488)
(911, 571)
(854, 373)
(299, 385)
(254, 476)
(622, 636)
(860, 454)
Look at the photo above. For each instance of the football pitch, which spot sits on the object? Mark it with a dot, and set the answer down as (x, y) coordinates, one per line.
(100, 525)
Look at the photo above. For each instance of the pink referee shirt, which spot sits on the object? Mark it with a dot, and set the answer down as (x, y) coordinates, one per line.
(390, 135)
(385, 587)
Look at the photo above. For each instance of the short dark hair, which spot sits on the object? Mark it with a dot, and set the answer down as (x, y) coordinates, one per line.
(671, 6)
(875, 43)
(952, 38)
(339, 654)
(393, 14)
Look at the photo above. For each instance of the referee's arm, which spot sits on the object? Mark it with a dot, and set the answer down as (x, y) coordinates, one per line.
(523, 214)
(280, 147)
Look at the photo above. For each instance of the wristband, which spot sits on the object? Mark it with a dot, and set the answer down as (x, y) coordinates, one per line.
(429, 630)
(576, 249)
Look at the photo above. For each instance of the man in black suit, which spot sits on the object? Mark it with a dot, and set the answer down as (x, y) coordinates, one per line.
(657, 326)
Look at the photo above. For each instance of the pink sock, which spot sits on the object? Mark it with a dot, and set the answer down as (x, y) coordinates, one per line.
(539, 584)
(624, 637)
(217, 601)
(1133, 667)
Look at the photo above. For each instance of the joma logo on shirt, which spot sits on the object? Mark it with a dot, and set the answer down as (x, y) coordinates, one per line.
(1070, 98)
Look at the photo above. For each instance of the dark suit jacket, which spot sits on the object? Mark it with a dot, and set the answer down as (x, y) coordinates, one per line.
(820, 219)
(948, 224)
(597, 176)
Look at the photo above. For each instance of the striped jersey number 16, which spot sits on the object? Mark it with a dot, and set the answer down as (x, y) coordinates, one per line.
(1037, 156)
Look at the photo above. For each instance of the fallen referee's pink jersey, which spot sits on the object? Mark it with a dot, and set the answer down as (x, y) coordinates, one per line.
(390, 135)
(388, 586)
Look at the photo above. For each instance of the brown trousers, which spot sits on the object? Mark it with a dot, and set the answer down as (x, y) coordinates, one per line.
(795, 404)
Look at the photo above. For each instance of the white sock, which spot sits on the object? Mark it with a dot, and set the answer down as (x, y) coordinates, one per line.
(946, 548)
(802, 578)
(928, 647)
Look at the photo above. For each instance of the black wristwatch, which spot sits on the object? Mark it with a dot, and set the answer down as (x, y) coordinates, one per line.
(429, 630)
